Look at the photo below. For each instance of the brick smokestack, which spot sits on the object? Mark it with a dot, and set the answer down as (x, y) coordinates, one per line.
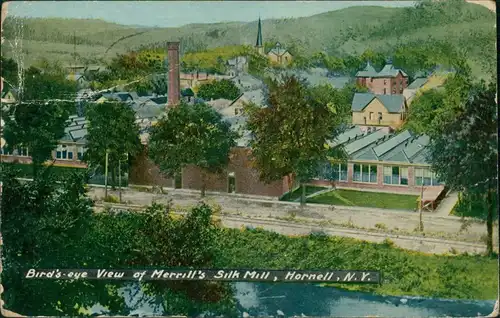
(174, 93)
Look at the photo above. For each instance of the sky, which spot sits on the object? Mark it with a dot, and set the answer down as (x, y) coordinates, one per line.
(178, 13)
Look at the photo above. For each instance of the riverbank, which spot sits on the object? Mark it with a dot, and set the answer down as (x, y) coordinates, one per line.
(404, 273)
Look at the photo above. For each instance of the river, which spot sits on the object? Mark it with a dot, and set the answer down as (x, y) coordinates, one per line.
(264, 299)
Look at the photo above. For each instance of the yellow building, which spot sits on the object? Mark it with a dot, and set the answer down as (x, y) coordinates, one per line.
(279, 55)
(378, 110)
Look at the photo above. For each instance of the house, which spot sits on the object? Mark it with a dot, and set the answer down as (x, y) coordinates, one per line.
(69, 151)
(421, 84)
(279, 55)
(314, 76)
(247, 82)
(237, 65)
(78, 78)
(382, 161)
(118, 96)
(378, 110)
(389, 81)
(8, 95)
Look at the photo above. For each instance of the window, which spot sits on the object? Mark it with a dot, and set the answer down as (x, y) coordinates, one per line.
(379, 117)
(70, 155)
(426, 176)
(364, 118)
(80, 153)
(395, 175)
(365, 173)
(371, 116)
(62, 152)
(21, 152)
(339, 171)
(5, 151)
(332, 171)
(371, 80)
(385, 82)
(385, 91)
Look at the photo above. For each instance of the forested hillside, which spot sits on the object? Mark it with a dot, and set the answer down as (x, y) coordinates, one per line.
(464, 26)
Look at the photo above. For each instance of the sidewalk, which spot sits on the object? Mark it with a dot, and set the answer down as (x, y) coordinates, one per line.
(447, 204)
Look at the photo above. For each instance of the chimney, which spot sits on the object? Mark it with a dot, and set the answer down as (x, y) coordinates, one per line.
(173, 74)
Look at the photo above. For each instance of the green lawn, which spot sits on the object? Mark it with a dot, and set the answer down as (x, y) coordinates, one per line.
(297, 192)
(367, 199)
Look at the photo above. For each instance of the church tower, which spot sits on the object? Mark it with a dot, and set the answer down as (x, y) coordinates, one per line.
(259, 45)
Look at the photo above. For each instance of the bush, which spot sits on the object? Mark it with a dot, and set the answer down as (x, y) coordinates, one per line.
(111, 199)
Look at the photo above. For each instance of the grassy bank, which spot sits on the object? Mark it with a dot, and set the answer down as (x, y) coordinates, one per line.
(403, 272)
(367, 199)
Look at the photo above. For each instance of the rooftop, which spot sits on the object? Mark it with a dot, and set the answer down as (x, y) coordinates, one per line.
(387, 71)
(393, 103)
(379, 145)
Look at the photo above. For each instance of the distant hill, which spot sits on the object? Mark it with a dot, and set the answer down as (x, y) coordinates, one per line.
(352, 30)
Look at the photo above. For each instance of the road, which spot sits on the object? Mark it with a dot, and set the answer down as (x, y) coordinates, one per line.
(415, 243)
(269, 218)
(396, 222)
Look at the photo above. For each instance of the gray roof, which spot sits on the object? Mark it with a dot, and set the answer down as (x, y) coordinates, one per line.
(404, 147)
(388, 71)
(393, 103)
(255, 96)
(368, 71)
(119, 96)
(246, 82)
(362, 141)
(419, 82)
(314, 76)
(278, 50)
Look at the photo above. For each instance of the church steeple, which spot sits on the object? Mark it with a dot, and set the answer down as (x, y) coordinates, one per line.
(258, 45)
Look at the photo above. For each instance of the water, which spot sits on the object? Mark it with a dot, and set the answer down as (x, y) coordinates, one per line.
(263, 299)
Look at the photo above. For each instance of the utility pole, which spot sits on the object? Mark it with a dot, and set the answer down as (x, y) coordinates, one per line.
(106, 176)
(421, 224)
(120, 179)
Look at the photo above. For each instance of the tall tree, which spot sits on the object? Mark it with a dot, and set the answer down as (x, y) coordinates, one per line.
(40, 85)
(111, 128)
(192, 135)
(37, 126)
(464, 149)
(219, 89)
(291, 134)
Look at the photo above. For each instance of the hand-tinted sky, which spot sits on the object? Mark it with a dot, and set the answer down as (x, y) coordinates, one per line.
(177, 13)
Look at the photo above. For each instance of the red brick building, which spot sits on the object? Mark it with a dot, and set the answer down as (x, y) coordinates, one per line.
(389, 81)
(238, 177)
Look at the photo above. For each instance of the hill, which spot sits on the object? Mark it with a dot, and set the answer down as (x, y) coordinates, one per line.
(465, 26)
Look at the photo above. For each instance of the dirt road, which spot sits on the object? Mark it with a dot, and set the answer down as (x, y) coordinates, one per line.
(440, 233)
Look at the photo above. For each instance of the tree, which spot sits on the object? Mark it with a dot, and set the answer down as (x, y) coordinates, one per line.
(290, 135)
(39, 85)
(219, 89)
(43, 224)
(37, 126)
(192, 135)
(111, 128)
(423, 111)
(464, 149)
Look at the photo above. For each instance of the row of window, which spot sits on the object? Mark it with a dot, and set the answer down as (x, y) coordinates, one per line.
(61, 153)
(391, 174)
(20, 152)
